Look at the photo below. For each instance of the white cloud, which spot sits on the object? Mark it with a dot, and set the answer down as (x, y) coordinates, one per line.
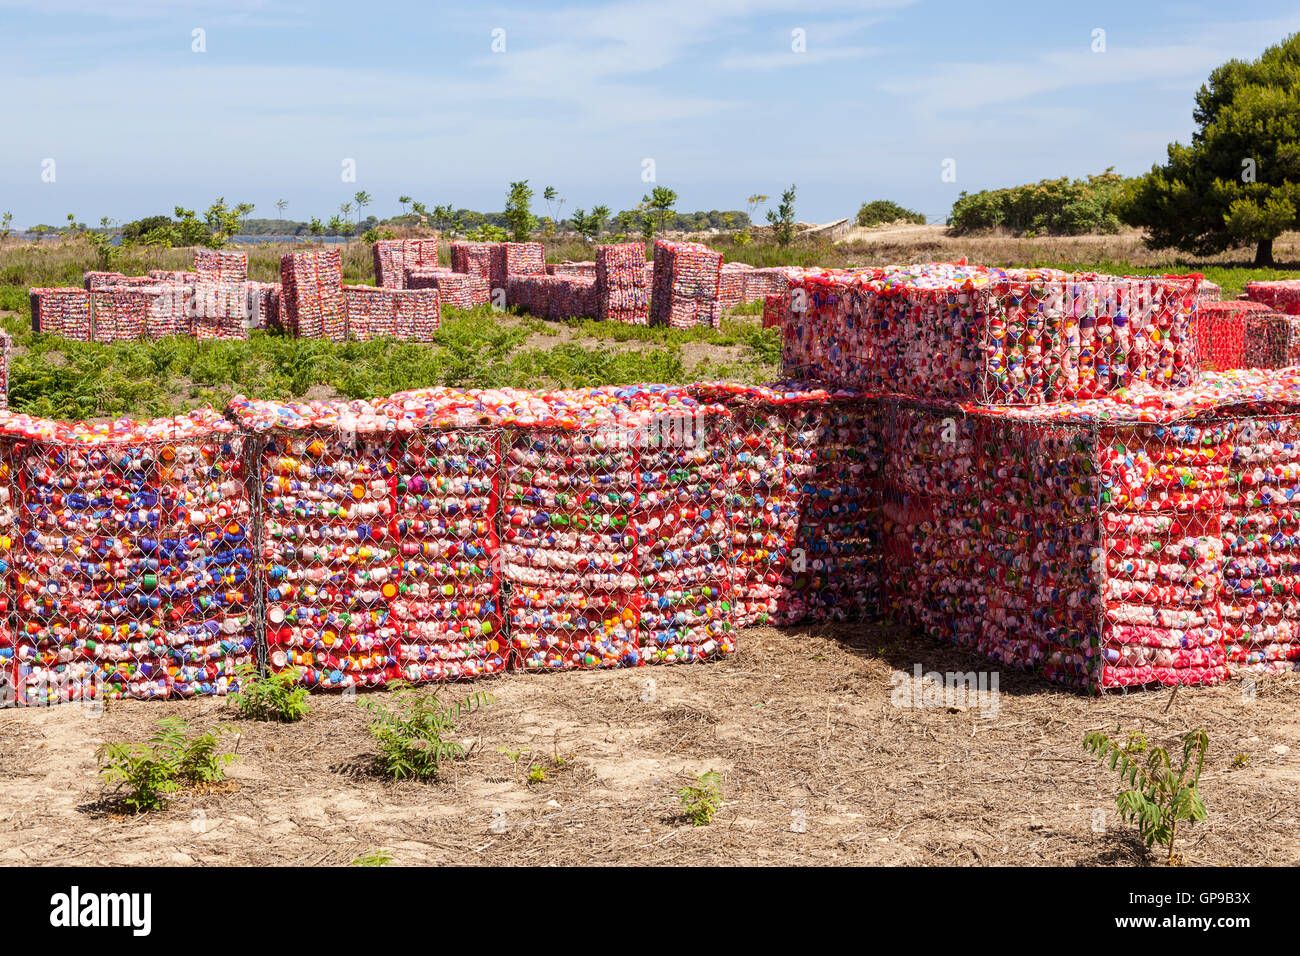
(813, 57)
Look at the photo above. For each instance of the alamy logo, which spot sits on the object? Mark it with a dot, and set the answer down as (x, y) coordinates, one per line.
(965, 689)
(75, 909)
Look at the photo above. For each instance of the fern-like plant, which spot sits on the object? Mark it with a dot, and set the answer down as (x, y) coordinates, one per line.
(377, 858)
(150, 772)
(412, 730)
(702, 800)
(1160, 795)
(273, 697)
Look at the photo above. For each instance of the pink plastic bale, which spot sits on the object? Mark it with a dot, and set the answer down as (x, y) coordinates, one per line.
(622, 290)
(91, 281)
(64, 312)
(6, 350)
(220, 266)
(120, 315)
(311, 295)
(475, 257)
(516, 259)
(687, 280)
(371, 311)
(418, 314)
(1280, 295)
(460, 290)
(394, 256)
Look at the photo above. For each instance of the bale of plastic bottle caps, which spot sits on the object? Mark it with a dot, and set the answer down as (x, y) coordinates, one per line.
(91, 281)
(687, 279)
(614, 540)
(992, 336)
(621, 283)
(419, 314)
(1208, 292)
(731, 284)
(802, 501)
(1280, 295)
(379, 544)
(64, 312)
(6, 353)
(760, 283)
(515, 259)
(221, 266)
(571, 269)
(474, 257)
(774, 309)
(311, 295)
(553, 297)
(131, 556)
(119, 315)
(1221, 332)
(1272, 340)
(460, 290)
(1104, 543)
(371, 311)
(393, 257)
(263, 304)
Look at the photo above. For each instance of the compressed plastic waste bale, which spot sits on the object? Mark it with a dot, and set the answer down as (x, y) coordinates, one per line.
(460, 290)
(379, 544)
(311, 295)
(393, 257)
(687, 279)
(133, 558)
(993, 336)
(622, 288)
(1280, 295)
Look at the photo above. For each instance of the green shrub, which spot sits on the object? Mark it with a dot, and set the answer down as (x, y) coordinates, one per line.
(1058, 207)
(150, 772)
(1160, 796)
(411, 731)
(883, 211)
(703, 799)
(273, 697)
(377, 858)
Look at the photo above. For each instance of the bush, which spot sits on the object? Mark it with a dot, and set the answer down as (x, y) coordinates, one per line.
(411, 733)
(151, 772)
(883, 211)
(273, 697)
(1057, 207)
(1160, 795)
(703, 799)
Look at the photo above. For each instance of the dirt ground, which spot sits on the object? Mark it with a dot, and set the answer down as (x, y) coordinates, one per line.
(818, 766)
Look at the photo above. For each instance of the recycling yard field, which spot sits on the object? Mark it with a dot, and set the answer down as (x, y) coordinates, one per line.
(826, 746)
(820, 762)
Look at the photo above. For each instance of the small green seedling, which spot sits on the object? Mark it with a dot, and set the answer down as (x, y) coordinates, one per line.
(150, 773)
(514, 756)
(273, 697)
(377, 858)
(702, 800)
(412, 732)
(1161, 795)
(1240, 760)
(536, 773)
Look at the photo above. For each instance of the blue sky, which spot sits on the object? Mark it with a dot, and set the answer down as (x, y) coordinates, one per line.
(713, 92)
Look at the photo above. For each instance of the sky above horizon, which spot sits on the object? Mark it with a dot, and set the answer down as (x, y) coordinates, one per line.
(883, 97)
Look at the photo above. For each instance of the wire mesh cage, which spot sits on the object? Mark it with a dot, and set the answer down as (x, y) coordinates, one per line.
(380, 554)
(132, 564)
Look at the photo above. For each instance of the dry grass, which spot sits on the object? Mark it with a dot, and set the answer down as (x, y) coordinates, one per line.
(800, 720)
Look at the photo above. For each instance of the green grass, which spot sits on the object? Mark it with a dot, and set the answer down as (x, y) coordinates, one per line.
(56, 378)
